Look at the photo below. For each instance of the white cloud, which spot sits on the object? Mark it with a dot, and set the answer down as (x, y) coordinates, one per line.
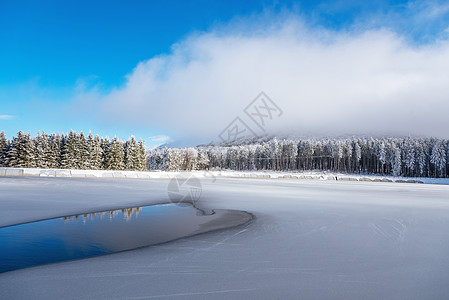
(327, 83)
(6, 117)
(434, 9)
(158, 140)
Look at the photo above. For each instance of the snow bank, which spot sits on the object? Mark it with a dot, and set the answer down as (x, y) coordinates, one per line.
(309, 175)
(319, 175)
(82, 173)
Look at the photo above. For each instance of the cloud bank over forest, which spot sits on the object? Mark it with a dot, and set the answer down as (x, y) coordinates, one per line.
(327, 82)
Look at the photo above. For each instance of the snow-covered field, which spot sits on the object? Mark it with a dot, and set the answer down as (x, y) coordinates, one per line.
(311, 239)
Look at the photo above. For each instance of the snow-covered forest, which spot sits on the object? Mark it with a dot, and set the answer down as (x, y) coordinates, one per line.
(72, 151)
(413, 157)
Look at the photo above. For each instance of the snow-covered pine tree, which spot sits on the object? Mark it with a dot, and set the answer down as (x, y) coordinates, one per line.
(268, 162)
(158, 159)
(83, 155)
(396, 160)
(152, 163)
(55, 149)
(232, 157)
(314, 150)
(202, 162)
(104, 143)
(258, 157)
(251, 157)
(90, 149)
(95, 153)
(190, 156)
(43, 151)
(215, 157)
(3, 149)
(69, 151)
(409, 157)
(302, 155)
(243, 153)
(141, 156)
(420, 157)
(174, 159)
(11, 159)
(62, 159)
(438, 158)
(382, 157)
(357, 155)
(38, 147)
(447, 158)
(369, 158)
(293, 155)
(21, 152)
(275, 154)
(131, 154)
(115, 155)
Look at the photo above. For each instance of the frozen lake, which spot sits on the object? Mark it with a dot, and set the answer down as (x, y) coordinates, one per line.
(310, 240)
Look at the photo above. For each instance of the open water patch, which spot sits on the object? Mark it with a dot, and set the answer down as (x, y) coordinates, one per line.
(99, 233)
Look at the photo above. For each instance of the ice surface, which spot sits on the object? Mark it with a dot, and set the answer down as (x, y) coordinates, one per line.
(310, 240)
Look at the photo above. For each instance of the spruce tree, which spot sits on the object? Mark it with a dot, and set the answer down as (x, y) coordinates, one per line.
(90, 147)
(83, 155)
(396, 161)
(141, 156)
(132, 154)
(104, 143)
(95, 152)
(115, 155)
(55, 149)
(63, 163)
(202, 160)
(21, 152)
(3, 149)
(357, 155)
(69, 151)
(158, 159)
(43, 151)
(447, 158)
(174, 159)
(438, 158)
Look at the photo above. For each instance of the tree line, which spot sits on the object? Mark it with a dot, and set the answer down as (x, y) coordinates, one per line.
(72, 151)
(412, 157)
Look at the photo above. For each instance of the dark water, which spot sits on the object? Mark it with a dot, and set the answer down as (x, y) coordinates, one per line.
(93, 234)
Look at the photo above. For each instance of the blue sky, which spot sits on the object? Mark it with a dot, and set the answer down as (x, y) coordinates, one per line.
(52, 52)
